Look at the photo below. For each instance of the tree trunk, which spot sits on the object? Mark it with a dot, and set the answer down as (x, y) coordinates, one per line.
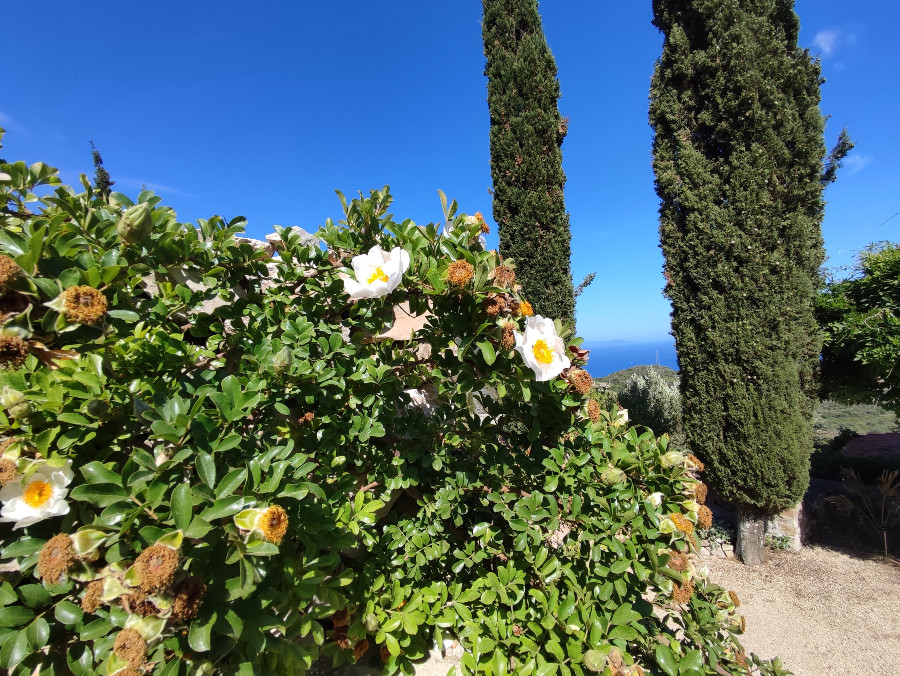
(751, 533)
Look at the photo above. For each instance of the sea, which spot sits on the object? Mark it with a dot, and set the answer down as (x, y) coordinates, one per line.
(609, 356)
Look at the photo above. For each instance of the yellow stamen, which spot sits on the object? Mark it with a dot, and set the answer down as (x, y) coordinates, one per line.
(379, 275)
(37, 493)
(542, 352)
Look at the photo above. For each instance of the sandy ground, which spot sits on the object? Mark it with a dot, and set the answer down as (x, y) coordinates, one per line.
(823, 612)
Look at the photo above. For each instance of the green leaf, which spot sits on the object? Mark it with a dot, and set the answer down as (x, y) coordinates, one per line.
(666, 659)
(96, 473)
(487, 351)
(101, 495)
(14, 650)
(199, 634)
(206, 469)
(38, 632)
(67, 613)
(624, 614)
(124, 315)
(231, 482)
(34, 595)
(182, 506)
(14, 616)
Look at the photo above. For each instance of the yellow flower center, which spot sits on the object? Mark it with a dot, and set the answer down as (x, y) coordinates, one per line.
(37, 493)
(379, 275)
(542, 352)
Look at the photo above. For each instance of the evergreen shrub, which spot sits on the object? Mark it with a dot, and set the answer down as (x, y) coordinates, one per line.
(212, 464)
(652, 401)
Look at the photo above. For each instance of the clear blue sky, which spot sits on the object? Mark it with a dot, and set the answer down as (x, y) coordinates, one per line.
(264, 109)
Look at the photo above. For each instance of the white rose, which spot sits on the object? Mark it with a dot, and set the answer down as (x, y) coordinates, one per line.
(38, 497)
(377, 273)
(541, 348)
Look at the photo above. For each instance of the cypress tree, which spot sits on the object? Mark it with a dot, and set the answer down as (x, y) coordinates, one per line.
(526, 134)
(738, 155)
(102, 181)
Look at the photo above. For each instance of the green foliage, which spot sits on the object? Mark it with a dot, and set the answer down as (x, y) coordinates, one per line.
(251, 479)
(617, 380)
(526, 134)
(652, 400)
(861, 320)
(738, 157)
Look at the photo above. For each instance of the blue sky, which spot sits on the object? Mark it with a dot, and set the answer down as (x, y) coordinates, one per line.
(264, 113)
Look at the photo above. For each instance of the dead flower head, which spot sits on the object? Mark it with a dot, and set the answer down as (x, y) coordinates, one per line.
(360, 649)
(8, 470)
(274, 523)
(508, 338)
(580, 380)
(493, 305)
(679, 562)
(306, 418)
(9, 271)
(131, 647)
(694, 462)
(84, 304)
(682, 593)
(156, 566)
(503, 276)
(91, 599)
(704, 517)
(56, 558)
(479, 218)
(341, 618)
(188, 598)
(138, 603)
(460, 273)
(682, 523)
(734, 599)
(700, 491)
(13, 351)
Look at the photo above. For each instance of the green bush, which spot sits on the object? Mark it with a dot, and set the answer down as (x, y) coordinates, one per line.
(652, 401)
(213, 464)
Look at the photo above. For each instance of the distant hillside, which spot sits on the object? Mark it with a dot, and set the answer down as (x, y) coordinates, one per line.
(618, 379)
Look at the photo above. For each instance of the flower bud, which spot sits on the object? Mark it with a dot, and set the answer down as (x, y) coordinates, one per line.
(282, 360)
(671, 459)
(136, 223)
(10, 397)
(612, 475)
(655, 499)
(20, 411)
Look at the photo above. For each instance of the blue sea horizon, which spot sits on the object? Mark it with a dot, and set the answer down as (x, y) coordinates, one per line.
(609, 356)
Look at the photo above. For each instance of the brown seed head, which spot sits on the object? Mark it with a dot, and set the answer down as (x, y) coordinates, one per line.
(741, 658)
(91, 599)
(341, 618)
(156, 566)
(274, 524)
(131, 647)
(681, 593)
(460, 273)
(84, 304)
(360, 649)
(696, 462)
(56, 558)
(13, 351)
(188, 598)
(9, 271)
(479, 218)
(508, 338)
(138, 603)
(700, 491)
(385, 653)
(525, 309)
(594, 409)
(682, 523)
(704, 517)
(504, 276)
(734, 599)
(306, 418)
(679, 562)
(580, 380)
(493, 305)
(8, 470)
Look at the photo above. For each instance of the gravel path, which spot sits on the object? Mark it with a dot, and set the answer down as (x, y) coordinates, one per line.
(823, 612)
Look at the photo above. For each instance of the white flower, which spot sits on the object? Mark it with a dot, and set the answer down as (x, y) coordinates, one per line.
(655, 499)
(37, 497)
(377, 273)
(541, 348)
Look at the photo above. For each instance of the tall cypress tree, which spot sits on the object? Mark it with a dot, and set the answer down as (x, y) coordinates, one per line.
(527, 132)
(738, 155)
